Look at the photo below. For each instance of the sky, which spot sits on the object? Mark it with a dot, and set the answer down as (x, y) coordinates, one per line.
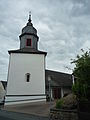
(63, 28)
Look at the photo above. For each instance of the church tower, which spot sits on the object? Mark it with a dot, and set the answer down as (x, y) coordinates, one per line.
(28, 37)
(26, 73)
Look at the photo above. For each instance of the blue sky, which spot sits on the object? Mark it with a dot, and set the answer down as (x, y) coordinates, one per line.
(63, 28)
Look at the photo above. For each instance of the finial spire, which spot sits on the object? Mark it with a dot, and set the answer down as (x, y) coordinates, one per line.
(29, 16)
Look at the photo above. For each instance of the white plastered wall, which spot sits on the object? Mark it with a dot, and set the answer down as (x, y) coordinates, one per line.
(19, 65)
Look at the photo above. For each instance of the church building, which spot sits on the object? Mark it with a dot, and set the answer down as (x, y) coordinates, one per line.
(26, 73)
(28, 81)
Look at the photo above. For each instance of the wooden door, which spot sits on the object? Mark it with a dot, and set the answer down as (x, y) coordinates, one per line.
(57, 93)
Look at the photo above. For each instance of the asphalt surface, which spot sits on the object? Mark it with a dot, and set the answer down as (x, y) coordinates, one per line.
(4, 118)
(36, 108)
(7, 115)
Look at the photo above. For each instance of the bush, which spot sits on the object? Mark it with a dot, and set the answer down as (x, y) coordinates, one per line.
(80, 90)
(59, 103)
(68, 102)
(81, 73)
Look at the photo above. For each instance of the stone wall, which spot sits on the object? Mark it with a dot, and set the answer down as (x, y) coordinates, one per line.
(61, 114)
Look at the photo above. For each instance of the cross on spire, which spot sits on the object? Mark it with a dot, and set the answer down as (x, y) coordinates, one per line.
(29, 16)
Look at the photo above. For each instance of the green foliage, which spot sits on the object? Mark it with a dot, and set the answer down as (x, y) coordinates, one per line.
(80, 90)
(59, 103)
(81, 73)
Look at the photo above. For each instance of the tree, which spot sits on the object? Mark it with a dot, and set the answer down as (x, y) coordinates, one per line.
(81, 73)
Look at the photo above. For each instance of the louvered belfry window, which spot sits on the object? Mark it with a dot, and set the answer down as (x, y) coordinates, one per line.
(28, 42)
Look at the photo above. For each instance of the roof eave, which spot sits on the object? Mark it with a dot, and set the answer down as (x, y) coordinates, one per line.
(26, 52)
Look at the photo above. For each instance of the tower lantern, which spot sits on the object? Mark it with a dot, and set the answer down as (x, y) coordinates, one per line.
(28, 37)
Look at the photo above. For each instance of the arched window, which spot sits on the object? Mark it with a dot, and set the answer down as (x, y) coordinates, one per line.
(27, 77)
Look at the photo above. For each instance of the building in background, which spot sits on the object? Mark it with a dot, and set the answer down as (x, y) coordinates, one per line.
(60, 84)
(2, 91)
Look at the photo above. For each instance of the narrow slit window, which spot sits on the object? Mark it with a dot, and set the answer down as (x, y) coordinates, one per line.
(27, 77)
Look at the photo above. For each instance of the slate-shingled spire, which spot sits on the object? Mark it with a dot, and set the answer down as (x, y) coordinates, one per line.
(28, 37)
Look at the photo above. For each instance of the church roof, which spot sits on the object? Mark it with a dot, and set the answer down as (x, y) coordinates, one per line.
(58, 78)
(27, 50)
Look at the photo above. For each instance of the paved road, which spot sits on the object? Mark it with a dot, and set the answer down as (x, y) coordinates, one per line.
(4, 118)
(7, 115)
(38, 108)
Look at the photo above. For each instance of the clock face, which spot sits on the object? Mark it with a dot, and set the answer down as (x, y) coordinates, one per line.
(28, 42)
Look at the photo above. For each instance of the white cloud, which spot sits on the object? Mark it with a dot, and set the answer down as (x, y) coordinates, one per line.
(63, 28)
